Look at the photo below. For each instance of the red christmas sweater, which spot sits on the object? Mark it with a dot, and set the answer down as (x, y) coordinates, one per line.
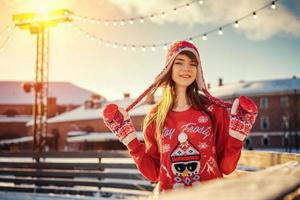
(191, 151)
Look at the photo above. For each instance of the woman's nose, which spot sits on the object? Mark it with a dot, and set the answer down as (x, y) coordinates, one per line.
(187, 67)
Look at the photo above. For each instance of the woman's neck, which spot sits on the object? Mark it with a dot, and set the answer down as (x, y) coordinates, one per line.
(182, 102)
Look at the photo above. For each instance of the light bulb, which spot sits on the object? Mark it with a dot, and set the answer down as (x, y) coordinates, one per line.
(152, 17)
(175, 11)
(236, 24)
(204, 37)
(187, 6)
(273, 6)
(220, 32)
(142, 19)
(165, 47)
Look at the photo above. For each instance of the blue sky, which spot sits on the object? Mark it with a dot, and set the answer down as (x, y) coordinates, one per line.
(265, 48)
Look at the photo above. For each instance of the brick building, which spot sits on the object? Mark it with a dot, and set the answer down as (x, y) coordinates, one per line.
(278, 120)
(88, 119)
(16, 105)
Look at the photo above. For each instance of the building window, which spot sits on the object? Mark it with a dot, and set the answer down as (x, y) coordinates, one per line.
(284, 102)
(265, 140)
(264, 102)
(264, 123)
(285, 123)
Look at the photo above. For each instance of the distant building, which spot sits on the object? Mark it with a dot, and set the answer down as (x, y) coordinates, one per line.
(16, 104)
(278, 120)
(88, 119)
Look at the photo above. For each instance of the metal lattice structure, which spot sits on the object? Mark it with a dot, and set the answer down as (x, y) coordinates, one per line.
(39, 25)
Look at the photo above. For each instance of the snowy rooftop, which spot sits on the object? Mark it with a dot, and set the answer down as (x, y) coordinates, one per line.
(98, 137)
(65, 93)
(81, 113)
(253, 88)
(16, 140)
(16, 118)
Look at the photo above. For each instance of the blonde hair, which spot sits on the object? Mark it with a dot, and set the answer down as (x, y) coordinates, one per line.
(159, 113)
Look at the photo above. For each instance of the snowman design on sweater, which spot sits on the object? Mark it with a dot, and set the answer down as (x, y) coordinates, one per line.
(185, 162)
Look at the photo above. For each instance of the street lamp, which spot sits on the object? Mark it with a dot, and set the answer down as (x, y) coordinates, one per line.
(39, 24)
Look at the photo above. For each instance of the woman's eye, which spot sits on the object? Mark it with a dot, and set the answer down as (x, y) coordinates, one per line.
(178, 63)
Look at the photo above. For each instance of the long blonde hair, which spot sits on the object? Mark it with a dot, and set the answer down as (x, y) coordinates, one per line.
(161, 109)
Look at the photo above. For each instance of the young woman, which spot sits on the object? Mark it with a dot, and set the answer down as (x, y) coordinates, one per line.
(189, 135)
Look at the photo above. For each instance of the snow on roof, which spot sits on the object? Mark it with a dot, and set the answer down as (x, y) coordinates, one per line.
(76, 133)
(16, 118)
(254, 88)
(81, 113)
(16, 140)
(65, 93)
(98, 137)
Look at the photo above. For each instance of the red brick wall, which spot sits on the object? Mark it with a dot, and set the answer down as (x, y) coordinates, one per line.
(12, 130)
(20, 109)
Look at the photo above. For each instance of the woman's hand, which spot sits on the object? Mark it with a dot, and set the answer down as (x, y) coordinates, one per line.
(118, 121)
(242, 117)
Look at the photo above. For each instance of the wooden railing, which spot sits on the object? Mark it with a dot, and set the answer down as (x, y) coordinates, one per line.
(110, 173)
(72, 173)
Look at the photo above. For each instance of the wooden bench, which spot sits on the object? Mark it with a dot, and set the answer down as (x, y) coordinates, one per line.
(75, 173)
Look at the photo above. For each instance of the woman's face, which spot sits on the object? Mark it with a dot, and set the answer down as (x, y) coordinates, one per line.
(184, 70)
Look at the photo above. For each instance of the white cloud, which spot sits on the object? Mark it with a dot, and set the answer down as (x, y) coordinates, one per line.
(218, 13)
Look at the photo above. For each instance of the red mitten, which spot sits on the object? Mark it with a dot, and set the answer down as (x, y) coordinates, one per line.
(118, 121)
(242, 117)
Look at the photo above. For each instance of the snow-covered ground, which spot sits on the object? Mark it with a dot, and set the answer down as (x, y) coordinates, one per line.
(278, 150)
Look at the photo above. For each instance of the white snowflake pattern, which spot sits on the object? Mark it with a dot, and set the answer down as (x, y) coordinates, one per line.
(202, 145)
(202, 119)
(185, 144)
(166, 148)
(210, 108)
(210, 166)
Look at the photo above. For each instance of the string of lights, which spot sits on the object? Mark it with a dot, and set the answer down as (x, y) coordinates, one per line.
(7, 40)
(153, 47)
(139, 19)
